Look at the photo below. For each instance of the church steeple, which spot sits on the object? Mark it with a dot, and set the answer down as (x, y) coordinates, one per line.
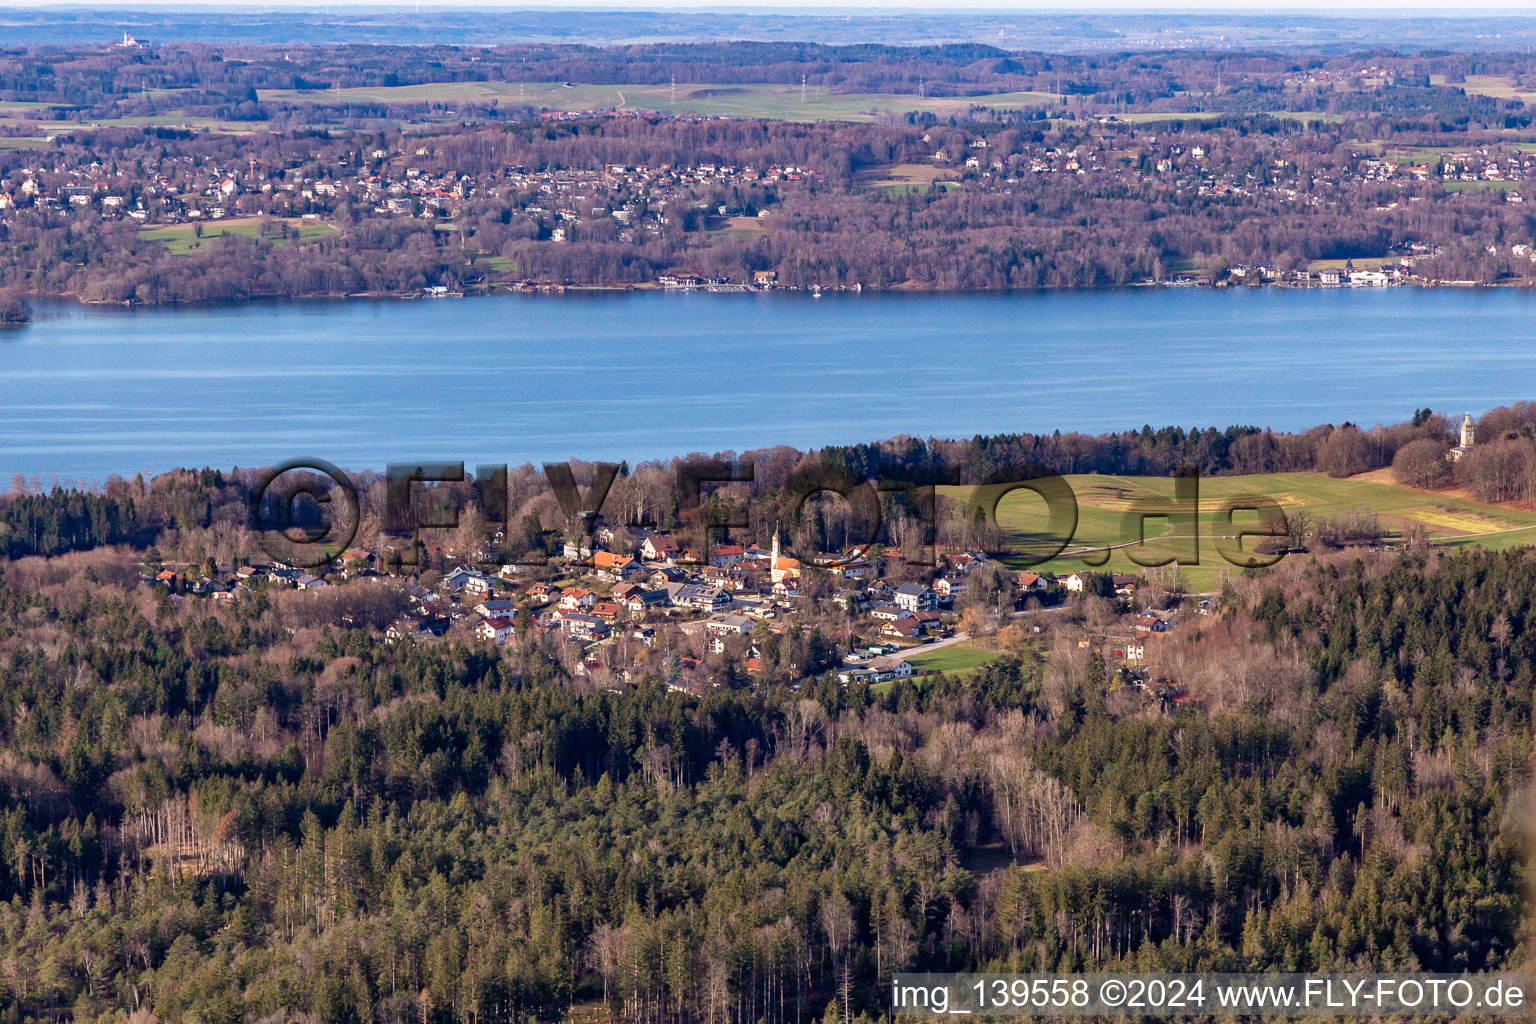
(779, 567)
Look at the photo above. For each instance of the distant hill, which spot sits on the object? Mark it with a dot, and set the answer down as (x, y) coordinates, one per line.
(1081, 33)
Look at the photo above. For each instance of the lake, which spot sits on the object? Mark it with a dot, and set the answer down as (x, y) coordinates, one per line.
(89, 391)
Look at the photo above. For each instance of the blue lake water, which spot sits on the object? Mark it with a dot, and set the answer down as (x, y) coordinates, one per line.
(88, 391)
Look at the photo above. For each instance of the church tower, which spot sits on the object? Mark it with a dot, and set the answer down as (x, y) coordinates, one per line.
(780, 568)
(1466, 439)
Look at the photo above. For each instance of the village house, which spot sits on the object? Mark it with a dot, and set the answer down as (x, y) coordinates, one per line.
(702, 596)
(914, 596)
(577, 600)
(1031, 581)
(931, 621)
(729, 625)
(659, 547)
(948, 589)
(544, 593)
(646, 600)
(880, 670)
(904, 626)
(725, 578)
(578, 626)
(495, 608)
(850, 601)
(468, 579)
(857, 569)
(577, 550)
(613, 568)
(415, 628)
(494, 630)
(725, 555)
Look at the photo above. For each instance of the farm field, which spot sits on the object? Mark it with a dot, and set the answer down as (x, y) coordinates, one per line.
(1103, 500)
(1154, 116)
(1487, 85)
(901, 178)
(183, 239)
(25, 116)
(782, 102)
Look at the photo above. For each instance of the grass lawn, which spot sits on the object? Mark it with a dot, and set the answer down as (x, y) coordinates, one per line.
(1360, 262)
(1418, 154)
(1103, 501)
(182, 239)
(737, 227)
(1482, 186)
(959, 658)
(750, 100)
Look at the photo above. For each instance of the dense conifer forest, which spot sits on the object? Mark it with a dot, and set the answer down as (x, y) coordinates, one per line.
(224, 814)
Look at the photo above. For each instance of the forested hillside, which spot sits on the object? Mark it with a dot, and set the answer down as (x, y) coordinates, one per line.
(217, 814)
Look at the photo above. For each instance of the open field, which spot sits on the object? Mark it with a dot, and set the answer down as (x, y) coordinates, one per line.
(1104, 500)
(952, 659)
(1153, 116)
(1487, 85)
(1359, 263)
(959, 658)
(906, 177)
(183, 239)
(737, 227)
(1482, 186)
(783, 102)
(51, 119)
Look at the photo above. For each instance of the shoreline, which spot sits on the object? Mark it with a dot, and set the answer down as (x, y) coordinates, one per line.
(70, 298)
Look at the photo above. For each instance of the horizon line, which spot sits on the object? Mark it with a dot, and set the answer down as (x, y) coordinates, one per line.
(1430, 10)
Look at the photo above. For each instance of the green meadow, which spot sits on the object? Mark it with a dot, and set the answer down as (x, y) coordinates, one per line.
(183, 239)
(957, 658)
(1481, 186)
(1103, 501)
(783, 102)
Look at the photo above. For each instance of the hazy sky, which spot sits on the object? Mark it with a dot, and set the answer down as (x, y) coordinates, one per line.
(1350, 7)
